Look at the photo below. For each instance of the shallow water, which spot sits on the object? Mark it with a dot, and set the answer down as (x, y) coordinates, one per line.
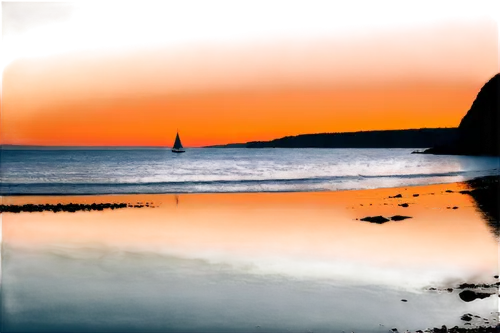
(261, 262)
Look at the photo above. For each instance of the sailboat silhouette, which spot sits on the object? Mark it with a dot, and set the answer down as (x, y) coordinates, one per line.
(177, 148)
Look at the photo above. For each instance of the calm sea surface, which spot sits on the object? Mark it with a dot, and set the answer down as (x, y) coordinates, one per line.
(228, 170)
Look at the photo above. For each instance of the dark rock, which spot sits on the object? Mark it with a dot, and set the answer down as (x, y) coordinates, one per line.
(399, 217)
(450, 290)
(469, 295)
(449, 191)
(396, 196)
(416, 195)
(483, 295)
(466, 317)
(496, 276)
(403, 205)
(455, 207)
(404, 300)
(71, 207)
(375, 219)
(475, 286)
(478, 132)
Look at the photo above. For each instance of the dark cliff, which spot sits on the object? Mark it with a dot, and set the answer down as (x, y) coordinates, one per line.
(478, 133)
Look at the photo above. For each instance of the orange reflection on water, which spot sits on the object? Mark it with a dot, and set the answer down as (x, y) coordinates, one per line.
(317, 228)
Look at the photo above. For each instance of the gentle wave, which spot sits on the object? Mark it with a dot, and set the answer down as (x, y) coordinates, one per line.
(244, 185)
(250, 181)
(88, 172)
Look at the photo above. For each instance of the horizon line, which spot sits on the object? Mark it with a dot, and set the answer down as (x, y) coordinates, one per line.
(79, 146)
(204, 146)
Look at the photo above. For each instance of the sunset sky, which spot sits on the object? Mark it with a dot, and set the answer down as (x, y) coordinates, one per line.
(132, 73)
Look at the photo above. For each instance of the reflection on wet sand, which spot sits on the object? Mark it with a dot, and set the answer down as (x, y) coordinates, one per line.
(309, 231)
(247, 247)
(486, 193)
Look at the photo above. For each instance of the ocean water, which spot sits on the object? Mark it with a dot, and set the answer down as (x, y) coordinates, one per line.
(72, 172)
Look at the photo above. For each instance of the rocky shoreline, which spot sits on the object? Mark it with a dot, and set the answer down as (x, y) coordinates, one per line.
(486, 194)
(471, 292)
(70, 207)
(456, 329)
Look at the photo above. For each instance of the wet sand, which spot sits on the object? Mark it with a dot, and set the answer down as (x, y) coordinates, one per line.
(309, 241)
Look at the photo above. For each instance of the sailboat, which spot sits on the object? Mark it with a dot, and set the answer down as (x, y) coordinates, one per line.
(177, 145)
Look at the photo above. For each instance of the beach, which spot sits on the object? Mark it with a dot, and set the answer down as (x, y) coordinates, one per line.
(250, 167)
(252, 262)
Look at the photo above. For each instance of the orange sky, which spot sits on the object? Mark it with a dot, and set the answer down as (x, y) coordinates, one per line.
(214, 92)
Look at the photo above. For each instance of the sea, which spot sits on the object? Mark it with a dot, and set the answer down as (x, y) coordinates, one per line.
(212, 253)
(222, 170)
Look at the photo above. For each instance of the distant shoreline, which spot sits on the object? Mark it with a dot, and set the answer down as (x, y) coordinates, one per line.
(406, 138)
